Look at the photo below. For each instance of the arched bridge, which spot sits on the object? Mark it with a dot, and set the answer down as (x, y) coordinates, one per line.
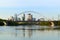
(55, 23)
(52, 23)
(31, 22)
(34, 14)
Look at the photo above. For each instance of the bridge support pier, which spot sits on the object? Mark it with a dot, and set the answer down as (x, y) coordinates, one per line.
(4, 23)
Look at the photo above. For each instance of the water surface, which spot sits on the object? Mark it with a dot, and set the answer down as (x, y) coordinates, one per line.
(21, 33)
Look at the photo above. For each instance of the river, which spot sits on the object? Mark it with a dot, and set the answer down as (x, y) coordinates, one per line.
(24, 33)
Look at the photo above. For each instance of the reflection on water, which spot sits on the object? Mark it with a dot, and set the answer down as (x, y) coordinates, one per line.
(25, 30)
(30, 32)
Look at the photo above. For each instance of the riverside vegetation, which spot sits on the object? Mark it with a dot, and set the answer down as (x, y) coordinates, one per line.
(41, 23)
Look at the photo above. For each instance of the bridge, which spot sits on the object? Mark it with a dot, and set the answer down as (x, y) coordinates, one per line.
(50, 22)
(34, 14)
(43, 23)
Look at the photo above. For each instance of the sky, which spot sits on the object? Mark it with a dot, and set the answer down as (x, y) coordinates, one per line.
(46, 8)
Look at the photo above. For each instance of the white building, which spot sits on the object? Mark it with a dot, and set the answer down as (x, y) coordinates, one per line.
(11, 18)
(29, 17)
(42, 19)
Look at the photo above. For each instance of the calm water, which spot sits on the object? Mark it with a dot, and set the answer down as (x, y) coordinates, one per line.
(21, 33)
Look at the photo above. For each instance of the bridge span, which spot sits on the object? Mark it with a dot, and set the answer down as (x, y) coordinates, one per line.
(40, 22)
(55, 23)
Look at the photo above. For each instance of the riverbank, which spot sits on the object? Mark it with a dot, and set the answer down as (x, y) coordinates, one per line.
(16, 23)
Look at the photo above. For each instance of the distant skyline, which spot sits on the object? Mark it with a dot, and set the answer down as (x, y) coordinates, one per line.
(47, 8)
